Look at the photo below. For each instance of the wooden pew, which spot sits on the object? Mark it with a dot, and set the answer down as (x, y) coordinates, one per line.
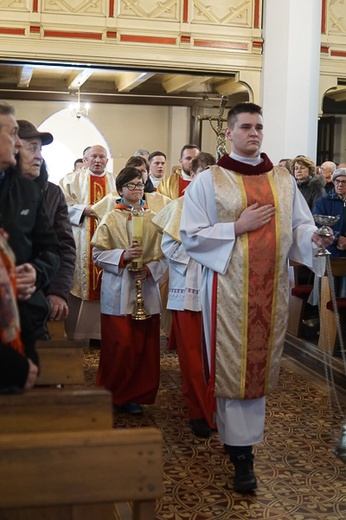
(78, 462)
(61, 362)
(328, 331)
(298, 296)
(56, 409)
(70, 475)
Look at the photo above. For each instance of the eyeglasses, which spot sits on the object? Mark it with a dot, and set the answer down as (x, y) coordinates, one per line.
(342, 183)
(132, 186)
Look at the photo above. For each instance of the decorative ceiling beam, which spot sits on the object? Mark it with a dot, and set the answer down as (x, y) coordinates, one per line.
(127, 81)
(230, 86)
(77, 78)
(26, 73)
(177, 83)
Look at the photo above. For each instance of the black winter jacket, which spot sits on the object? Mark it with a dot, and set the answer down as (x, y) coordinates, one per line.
(312, 189)
(32, 239)
(57, 212)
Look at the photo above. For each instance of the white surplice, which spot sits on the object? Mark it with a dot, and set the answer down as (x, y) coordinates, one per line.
(210, 242)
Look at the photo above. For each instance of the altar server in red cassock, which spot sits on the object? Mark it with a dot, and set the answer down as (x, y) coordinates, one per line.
(130, 349)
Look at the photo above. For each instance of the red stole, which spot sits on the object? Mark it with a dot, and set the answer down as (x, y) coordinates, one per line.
(97, 190)
(183, 184)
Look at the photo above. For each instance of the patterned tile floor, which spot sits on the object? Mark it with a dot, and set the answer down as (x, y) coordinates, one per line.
(299, 477)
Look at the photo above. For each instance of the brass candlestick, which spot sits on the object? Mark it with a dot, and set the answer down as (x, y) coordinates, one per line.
(137, 264)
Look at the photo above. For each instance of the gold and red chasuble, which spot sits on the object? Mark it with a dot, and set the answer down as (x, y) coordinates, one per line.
(97, 190)
(183, 184)
(251, 297)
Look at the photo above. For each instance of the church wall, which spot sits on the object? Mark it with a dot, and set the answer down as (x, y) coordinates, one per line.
(223, 36)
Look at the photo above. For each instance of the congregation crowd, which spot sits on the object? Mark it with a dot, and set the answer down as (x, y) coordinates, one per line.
(209, 264)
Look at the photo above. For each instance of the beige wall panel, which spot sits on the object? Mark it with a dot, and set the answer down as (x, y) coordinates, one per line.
(15, 5)
(152, 9)
(230, 12)
(74, 7)
(337, 17)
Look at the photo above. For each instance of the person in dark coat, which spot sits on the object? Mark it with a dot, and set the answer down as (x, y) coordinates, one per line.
(30, 164)
(334, 203)
(18, 363)
(35, 246)
(310, 185)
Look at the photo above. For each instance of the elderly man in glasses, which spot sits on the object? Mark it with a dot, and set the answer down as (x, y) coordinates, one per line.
(334, 203)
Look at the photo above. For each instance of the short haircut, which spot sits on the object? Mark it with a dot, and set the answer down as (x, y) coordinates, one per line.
(80, 160)
(6, 110)
(203, 159)
(288, 165)
(126, 175)
(155, 154)
(86, 150)
(137, 160)
(301, 159)
(141, 151)
(241, 108)
(187, 147)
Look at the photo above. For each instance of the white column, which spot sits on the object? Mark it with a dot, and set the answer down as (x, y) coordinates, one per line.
(290, 80)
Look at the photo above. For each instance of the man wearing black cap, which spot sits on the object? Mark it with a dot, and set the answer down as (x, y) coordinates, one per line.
(35, 245)
(31, 165)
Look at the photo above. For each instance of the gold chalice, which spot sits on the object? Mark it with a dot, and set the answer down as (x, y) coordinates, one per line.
(325, 221)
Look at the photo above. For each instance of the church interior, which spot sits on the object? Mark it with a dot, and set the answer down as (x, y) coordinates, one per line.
(157, 75)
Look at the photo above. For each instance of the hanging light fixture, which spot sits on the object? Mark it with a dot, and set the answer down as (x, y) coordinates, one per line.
(77, 109)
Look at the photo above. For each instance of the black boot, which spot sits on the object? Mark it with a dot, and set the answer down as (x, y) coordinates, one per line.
(242, 458)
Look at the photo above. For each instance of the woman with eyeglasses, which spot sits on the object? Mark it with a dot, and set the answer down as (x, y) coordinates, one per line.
(130, 349)
(310, 185)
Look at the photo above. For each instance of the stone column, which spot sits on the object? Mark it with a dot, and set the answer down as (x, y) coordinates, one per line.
(290, 79)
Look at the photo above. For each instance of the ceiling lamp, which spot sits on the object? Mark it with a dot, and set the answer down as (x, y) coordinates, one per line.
(77, 109)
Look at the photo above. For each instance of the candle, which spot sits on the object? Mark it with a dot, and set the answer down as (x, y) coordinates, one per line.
(137, 229)
(137, 234)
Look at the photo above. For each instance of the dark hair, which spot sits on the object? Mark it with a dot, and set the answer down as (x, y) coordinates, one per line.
(241, 108)
(86, 150)
(126, 175)
(203, 159)
(137, 160)
(186, 147)
(288, 164)
(155, 154)
(77, 161)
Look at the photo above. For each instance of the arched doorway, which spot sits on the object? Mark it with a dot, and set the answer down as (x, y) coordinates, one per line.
(71, 136)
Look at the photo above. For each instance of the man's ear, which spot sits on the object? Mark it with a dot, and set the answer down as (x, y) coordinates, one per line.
(228, 133)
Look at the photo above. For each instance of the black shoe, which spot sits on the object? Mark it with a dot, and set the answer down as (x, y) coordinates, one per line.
(244, 478)
(200, 428)
(132, 409)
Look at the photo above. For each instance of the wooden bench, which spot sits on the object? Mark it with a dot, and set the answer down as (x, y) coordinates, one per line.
(328, 331)
(79, 475)
(56, 409)
(298, 296)
(61, 362)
